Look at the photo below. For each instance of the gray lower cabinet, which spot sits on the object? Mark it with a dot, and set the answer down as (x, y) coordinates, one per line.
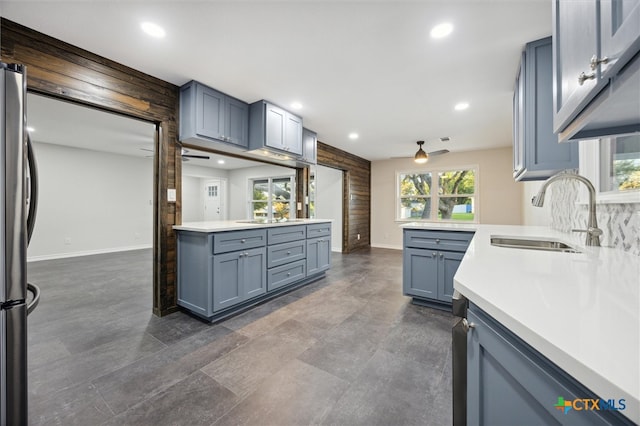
(221, 272)
(318, 248)
(238, 276)
(509, 382)
(430, 261)
(318, 255)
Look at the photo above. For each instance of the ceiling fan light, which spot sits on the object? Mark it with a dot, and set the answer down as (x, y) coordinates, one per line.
(421, 157)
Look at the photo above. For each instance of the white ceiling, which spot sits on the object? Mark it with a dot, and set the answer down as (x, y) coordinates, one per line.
(356, 66)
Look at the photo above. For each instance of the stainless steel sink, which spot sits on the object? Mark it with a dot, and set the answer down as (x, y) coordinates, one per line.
(532, 244)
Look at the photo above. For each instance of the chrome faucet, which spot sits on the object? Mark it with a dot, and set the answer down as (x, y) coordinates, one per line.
(592, 231)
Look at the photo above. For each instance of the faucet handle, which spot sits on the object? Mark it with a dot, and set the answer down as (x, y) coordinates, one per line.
(596, 232)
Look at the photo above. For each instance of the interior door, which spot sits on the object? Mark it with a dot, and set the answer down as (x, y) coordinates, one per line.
(213, 196)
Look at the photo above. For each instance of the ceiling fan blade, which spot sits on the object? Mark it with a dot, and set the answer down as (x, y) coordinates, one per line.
(438, 152)
(204, 157)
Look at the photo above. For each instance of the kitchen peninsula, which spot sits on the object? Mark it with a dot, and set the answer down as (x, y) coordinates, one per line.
(227, 266)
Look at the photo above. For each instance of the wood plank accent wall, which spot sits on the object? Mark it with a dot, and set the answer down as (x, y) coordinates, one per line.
(63, 71)
(356, 210)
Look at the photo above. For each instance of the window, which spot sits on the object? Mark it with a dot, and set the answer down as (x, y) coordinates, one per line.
(612, 164)
(312, 195)
(620, 164)
(437, 195)
(271, 198)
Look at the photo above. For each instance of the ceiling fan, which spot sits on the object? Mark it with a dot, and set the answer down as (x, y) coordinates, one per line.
(422, 157)
(183, 154)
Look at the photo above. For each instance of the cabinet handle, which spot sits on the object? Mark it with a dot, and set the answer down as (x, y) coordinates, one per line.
(441, 255)
(288, 274)
(241, 255)
(243, 241)
(595, 61)
(433, 254)
(467, 325)
(288, 253)
(437, 240)
(584, 77)
(246, 254)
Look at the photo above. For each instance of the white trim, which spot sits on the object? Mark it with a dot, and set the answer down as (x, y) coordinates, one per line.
(86, 253)
(386, 246)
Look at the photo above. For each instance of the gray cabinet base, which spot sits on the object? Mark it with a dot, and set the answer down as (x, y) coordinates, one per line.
(248, 304)
(432, 303)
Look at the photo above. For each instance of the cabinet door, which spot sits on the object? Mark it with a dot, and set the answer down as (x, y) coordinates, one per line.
(293, 134)
(575, 41)
(209, 112)
(620, 30)
(420, 273)
(508, 384)
(227, 280)
(236, 122)
(309, 146)
(543, 155)
(276, 119)
(518, 120)
(318, 255)
(254, 272)
(449, 262)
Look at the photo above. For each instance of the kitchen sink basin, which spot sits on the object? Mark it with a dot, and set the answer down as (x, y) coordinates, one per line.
(532, 244)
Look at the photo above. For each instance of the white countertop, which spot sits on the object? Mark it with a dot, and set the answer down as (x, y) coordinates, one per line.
(233, 225)
(580, 310)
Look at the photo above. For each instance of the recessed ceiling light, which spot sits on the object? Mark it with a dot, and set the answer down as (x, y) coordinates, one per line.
(296, 105)
(461, 106)
(220, 161)
(30, 129)
(353, 136)
(441, 30)
(154, 30)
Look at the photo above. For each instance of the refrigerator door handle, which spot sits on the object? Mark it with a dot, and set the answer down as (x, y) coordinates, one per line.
(36, 297)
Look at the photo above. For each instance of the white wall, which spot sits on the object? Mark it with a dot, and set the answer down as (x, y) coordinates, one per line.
(534, 216)
(329, 201)
(238, 187)
(499, 201)
(193, 181)
(98, 202)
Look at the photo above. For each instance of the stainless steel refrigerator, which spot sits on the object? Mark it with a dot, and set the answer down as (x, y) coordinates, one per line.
(16, 201)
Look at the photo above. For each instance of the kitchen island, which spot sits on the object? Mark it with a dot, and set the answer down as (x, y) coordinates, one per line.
(228, 266)
(580, 311)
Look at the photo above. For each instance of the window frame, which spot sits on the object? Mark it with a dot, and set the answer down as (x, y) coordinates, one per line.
(270, 179)
(435, 195)
(591, 167)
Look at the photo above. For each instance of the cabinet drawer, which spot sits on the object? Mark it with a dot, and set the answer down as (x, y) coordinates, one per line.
(437, 240)
(281, 254)
(238, 240)
(319, 230)
(284, 234)
(285, 274)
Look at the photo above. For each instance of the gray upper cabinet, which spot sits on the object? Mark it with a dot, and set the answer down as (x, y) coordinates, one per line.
(209, 115)
(309, 146)
(596, 68)
(537, 153)
(273, 127)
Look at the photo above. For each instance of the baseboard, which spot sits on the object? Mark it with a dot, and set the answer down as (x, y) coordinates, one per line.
(336, 249)
(86, 253)
(386, 246)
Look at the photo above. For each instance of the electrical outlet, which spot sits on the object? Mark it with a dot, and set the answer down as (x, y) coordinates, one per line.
(67, 240)
(358, 237)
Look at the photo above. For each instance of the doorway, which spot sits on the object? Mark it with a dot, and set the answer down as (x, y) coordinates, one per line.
(327, 183)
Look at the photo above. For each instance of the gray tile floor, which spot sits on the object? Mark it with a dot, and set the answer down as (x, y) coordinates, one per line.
(346, 350)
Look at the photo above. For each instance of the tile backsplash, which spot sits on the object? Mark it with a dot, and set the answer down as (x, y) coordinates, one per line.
(619, 222)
